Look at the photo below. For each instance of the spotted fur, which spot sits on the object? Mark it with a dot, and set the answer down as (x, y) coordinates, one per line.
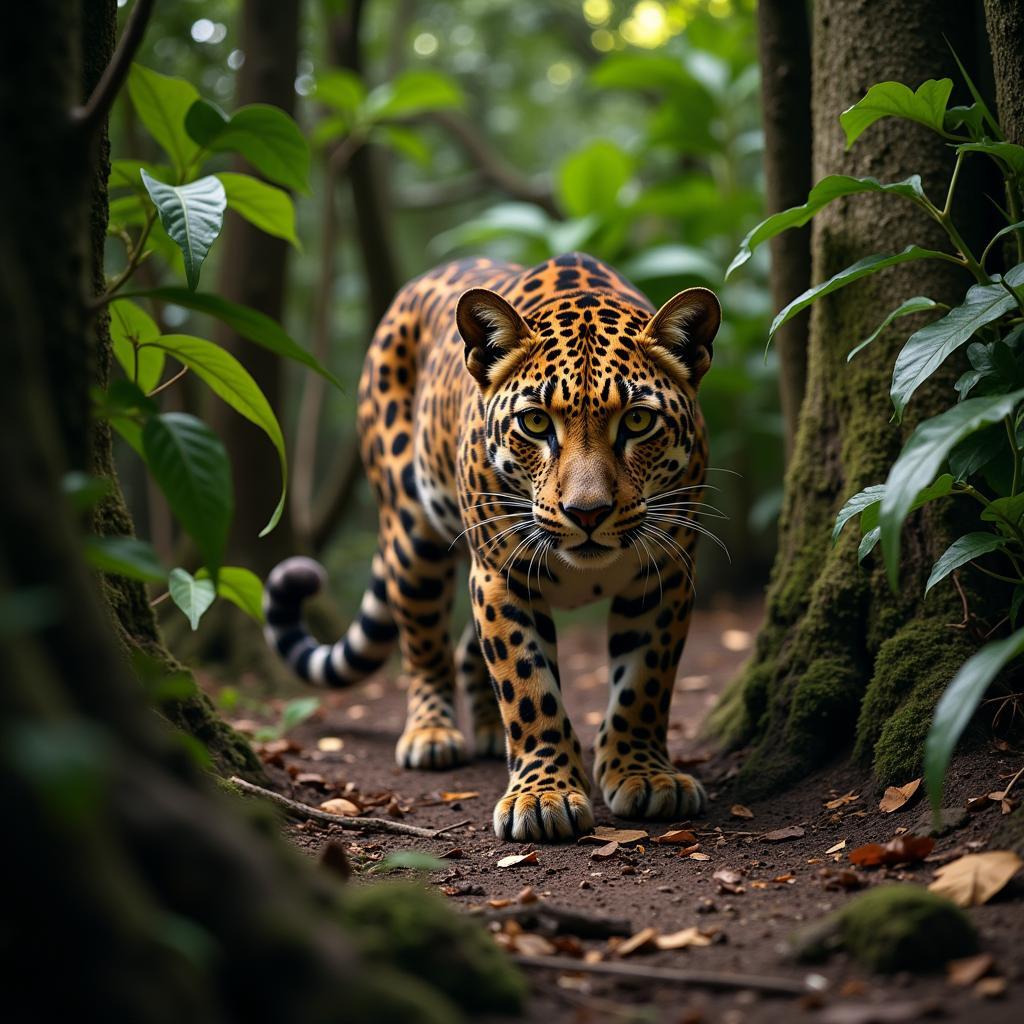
(544, 423)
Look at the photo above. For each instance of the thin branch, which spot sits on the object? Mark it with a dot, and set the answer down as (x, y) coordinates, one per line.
(167, 383)
(90, 115)
(134, 259)
(298, 810)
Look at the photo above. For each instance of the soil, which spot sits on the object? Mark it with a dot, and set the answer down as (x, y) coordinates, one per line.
(781, 884)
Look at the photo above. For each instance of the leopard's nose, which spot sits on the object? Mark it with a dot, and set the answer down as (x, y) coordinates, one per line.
(587, 517)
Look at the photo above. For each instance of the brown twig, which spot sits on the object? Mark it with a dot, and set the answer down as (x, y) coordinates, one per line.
(673, 976)
(299, 810)
(90, 115)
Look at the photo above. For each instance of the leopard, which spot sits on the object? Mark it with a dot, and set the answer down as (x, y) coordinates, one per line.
(542, 424)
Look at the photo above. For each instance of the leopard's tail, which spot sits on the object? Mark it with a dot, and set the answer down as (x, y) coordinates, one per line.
(358, 654)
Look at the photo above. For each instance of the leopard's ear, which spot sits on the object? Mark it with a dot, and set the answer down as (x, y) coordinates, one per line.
(496, 336)
(681, 334)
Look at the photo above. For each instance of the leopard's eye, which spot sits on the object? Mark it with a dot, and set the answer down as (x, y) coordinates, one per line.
(536, 423)
(637, 422)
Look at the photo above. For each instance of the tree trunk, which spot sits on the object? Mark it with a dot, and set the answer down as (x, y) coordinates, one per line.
(1005, 22)
(154, 894)
(785, 58)
(840, 657)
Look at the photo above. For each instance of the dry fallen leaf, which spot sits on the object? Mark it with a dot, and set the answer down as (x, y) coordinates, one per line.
(740, 811)
(527, 895)
(898, 796)
(533, 945)
(729, 881)
(841, 845)
(330, 744)
(977, 877)
(683, 939)
(518, 859)
(606, 834)
(966, 971)
(339, 805)
(905, 849)
(455, 853)
(842, 801)
(699, 856)
(677, 837)
(450, 798)
(990, 988)
(644, 938)
(604, 852)
(310, 779)
(780, 835)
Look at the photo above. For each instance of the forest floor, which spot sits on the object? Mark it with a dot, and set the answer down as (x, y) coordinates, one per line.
(730, 899)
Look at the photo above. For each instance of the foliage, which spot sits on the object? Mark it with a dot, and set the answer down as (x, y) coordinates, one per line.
(974, 448)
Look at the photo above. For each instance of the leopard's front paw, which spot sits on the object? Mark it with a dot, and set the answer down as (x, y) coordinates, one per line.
(657, 794)
(431, 747)
(544, 817)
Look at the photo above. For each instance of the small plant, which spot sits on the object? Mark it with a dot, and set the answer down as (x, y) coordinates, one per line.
(293, 714)
(974, 449)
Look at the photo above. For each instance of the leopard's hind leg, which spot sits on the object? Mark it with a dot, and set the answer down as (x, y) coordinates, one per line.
(473, 679)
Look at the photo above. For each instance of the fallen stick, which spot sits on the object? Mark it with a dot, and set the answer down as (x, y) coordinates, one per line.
(294, 808)
(673, 976)
(553, 920)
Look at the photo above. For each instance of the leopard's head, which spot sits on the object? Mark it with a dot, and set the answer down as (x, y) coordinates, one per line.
(591, 409)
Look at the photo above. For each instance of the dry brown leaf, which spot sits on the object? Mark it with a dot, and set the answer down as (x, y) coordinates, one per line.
(527, 895)
(729, 881)
(842, 801)
(787, 879)
(780, 835)
(977, 877)
(898, 796)
(841, 845)
(643, 938)
(606, 834)
(905, 849)
(740, 811)
(518, 859)
(310, 779)
(330, 744)
(699, 856)
(455, 853)
(966, 971)
(604, 852)
(450, 798)
(534, 945)
(499, 904)
(676, 837)
(339, 805)
(990, 988)
(683, 939)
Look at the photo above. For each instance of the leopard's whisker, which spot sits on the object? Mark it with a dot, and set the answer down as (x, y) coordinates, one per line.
(689, 524)
(686, 563)
(484, 522)
(494, 541)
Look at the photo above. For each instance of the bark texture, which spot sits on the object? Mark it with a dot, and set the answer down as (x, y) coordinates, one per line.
(1005, 22)
(840, 658)
(785, 59)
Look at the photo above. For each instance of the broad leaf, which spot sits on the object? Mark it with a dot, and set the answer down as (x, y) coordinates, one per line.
(976, 451)
(918, 304)
(250, 323)
(926, 105)
(671, 261)
(162, 103)
(1006, 513)
(191, 466)
(125, 173)
(241, 587)
(1006, 154)
(130, 326)
(1019, 226)
(192, 596)
(868, 543)
(267, 207)
(867, 503)
(406, 141)
(266, 136)
(855, 506)
(960, 552)
(231, 381)
(589, 180)
(828, 189)
(341, 89)
(927, 349)
(414, 92)
(854, 272)
(84, 492)
(297, 710)
(979, 102)
(192, 215)
(125, 556)
(957, 705)
(921, 459)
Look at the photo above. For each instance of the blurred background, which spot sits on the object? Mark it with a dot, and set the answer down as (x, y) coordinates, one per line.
(517, 129)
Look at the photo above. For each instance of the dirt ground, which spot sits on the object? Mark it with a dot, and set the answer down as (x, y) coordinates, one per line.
(743, 923)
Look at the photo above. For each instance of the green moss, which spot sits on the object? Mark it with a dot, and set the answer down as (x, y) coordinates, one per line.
(822, 706)
(416, 931)
(904, 928)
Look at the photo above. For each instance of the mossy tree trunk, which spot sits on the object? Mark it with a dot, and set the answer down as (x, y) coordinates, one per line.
(841, 659)
(155, 895)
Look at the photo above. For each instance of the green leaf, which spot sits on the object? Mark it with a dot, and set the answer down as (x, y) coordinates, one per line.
(192, 596)
(404, 140)
(190, 465)
(162, 103)
(915, 305)
(671, 261)
(960, 552)
(296, 711)
(855, 506)
(976, 95)
(84, 492)
(589, 180)
(921, 458)
(249, 323)
(125, 556)
(341, 89)
(1005, 231)
(267, 207)
(1005, 512)
(414, 92)
(957, 705)
(125, 173)
(868, 543)
(266, 136)
(204, 121)
(645, 72)
(926, 105)
(1006, 154)
(412, 859)
(239, 586)
(1015, 603)
(854, 272)
(976, 452)
(826, 191)
(192, 215)
(130, 326)
(927, 349)
(971, 118)
(231, 381)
